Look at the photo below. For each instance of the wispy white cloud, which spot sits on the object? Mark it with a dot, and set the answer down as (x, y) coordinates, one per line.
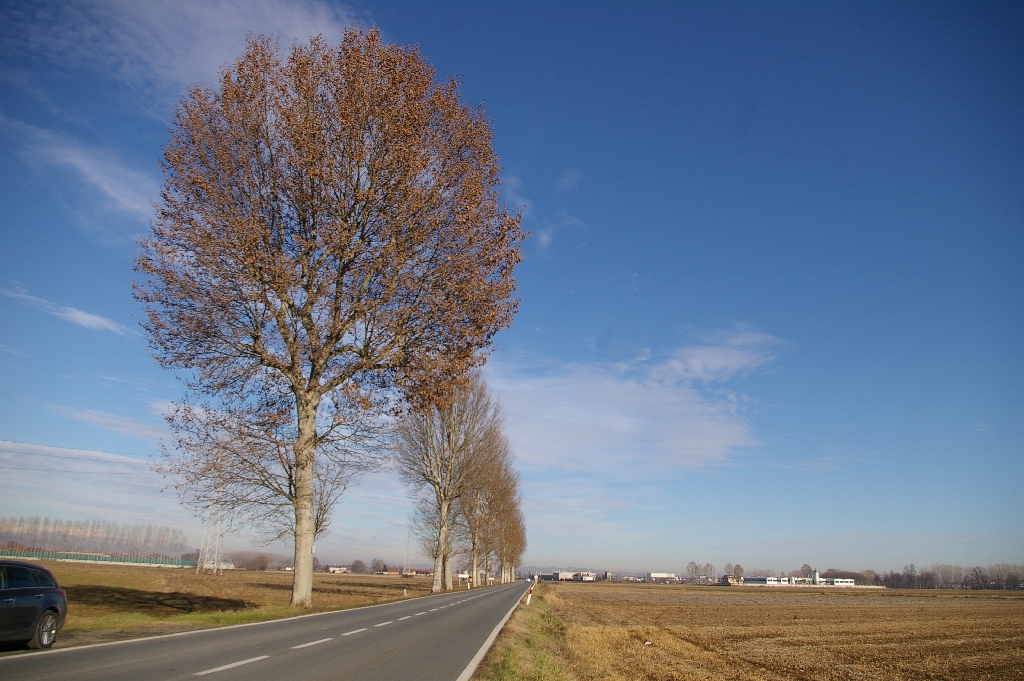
(161, 47)
(546, 233)
(513, 194)
(67, 313)
(726, 355)
(153, 51)
(112, 422)
(79, 483)
(128, 190)
(634, 416)
(105, 191)
(11, 351)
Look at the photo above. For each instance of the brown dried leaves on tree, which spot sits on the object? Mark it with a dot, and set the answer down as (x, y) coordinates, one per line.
(330, 232)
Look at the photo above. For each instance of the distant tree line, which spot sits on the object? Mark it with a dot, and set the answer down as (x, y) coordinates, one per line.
(998, 577)
(91, 536)
(695, 571)
(358, 567)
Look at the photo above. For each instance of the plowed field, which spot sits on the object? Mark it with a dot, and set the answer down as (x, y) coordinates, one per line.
(614, 631)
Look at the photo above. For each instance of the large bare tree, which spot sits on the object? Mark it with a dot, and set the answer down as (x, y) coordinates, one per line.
(237, 462)
(329, 235)
(439, 452)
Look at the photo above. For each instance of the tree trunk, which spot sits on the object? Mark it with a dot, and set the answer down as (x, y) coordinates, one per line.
(475, 575)
(448, 584)
(305, 450)
(442, 548)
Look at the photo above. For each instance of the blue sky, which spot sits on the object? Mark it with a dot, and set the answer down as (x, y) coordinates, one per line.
(771, 312)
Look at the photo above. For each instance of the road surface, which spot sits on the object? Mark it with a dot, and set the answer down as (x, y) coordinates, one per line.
(433, 638)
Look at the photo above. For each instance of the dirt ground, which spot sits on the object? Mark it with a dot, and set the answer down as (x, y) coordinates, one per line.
(619, 631)
(109, 603)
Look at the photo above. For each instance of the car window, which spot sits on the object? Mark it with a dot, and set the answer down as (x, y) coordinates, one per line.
(19, 578)
(43, 579)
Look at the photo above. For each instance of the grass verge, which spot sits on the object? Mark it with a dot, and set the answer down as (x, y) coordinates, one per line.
(530, 647)
(110, 603)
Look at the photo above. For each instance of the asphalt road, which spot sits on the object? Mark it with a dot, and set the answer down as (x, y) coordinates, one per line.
(433, 638)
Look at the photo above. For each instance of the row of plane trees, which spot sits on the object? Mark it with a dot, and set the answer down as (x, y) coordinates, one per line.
(457, 464)
(452, 455)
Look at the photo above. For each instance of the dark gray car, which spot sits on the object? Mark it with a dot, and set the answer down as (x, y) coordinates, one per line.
(33, 607)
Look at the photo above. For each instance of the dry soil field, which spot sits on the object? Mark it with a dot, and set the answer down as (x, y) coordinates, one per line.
(107, 603)
(616, 631)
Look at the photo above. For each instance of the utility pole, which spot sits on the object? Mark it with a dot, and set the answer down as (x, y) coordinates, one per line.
(210, 550)
(405, 565)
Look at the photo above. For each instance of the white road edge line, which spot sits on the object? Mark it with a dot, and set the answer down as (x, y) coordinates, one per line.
(467, 673)
(354, 631)
(233, 664)
(312, 643)
(383, 623)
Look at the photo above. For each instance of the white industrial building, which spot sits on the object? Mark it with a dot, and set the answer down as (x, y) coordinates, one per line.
(661, 577)
(815, 580)
(762, 581)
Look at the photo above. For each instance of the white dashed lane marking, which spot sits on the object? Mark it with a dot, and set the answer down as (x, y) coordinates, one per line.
(312, 643)
(355, 631)
(232, 665)
(404, 618)
(383, 623)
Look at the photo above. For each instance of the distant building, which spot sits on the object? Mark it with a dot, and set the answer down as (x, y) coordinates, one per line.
(842, 582)
(761, 581)
(562, 576)
(417, 572)
(338, 569)
(584, 577)
(607, 576)
(731, 580)
(663, 577)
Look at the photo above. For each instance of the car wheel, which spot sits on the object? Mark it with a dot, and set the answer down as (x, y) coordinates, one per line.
(45, 632)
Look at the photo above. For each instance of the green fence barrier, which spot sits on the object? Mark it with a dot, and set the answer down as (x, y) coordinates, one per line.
(95, 558)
